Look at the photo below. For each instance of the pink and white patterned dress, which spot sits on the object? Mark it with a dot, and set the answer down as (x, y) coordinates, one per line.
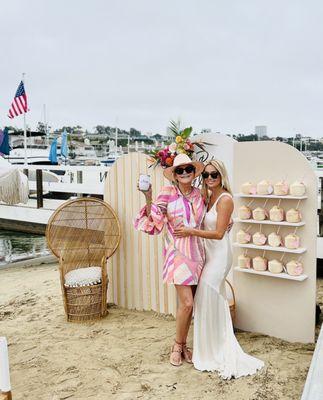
(183, 257)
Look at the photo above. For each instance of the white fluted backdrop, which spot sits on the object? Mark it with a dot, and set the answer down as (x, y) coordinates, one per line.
(135, 271)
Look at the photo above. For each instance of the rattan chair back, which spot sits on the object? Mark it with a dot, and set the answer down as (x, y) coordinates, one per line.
(84, 233)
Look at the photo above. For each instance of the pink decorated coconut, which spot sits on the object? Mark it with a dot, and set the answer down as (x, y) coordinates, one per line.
(264, 187)
(244, 212)
(259, 263)
(276, 214)
(281, 188)
(274, 240)
(293, 215)
(259, 214)
(292, 241)
(294, 268)
(248, 188)
(243, 237)
(297, 189)
(244, 261)
(275, 267)
(259, 239)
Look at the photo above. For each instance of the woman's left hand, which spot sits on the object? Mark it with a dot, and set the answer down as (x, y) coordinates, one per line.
(230, 225)
(183, 231)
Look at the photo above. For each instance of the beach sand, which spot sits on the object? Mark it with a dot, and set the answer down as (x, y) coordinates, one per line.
(125, 355)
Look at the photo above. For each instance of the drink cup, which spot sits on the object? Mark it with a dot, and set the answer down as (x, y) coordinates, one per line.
(144, 182)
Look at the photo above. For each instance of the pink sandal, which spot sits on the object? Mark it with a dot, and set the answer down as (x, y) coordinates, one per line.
(187, 353)
(176, 354)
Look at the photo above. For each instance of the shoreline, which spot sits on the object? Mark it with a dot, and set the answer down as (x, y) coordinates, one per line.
(30, 261)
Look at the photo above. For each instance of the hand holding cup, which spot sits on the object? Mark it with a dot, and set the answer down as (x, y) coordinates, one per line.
(144, 185)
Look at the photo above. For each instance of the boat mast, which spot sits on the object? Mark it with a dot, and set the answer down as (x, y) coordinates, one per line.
(116, 143)
(25, 130)
(45, 126)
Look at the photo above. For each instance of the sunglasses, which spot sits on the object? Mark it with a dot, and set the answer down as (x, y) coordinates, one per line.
(188, 170)
(213, 175)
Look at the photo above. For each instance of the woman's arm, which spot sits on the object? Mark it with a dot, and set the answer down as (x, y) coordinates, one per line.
(224, 212)
(152, 216)
(148, 197)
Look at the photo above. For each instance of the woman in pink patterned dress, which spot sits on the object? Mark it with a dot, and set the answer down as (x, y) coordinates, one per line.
(180, 204)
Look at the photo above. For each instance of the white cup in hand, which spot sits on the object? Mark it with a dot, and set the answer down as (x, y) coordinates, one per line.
(144, 182)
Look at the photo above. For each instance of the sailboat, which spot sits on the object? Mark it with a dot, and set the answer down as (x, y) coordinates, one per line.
(114, 154)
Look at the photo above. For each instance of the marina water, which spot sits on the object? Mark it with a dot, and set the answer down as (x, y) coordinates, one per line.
(15, 246)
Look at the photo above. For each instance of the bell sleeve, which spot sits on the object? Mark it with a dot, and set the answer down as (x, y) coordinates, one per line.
(154, 223)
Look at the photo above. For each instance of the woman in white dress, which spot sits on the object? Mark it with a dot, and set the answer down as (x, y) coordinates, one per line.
(215, 345)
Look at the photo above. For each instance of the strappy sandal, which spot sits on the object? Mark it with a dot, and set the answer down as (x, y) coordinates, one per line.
(176, 355)
(187, 353)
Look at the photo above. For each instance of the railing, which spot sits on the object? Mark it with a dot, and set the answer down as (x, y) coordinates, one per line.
(79, 180)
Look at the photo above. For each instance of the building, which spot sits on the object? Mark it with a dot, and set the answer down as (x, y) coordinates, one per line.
(261, 131)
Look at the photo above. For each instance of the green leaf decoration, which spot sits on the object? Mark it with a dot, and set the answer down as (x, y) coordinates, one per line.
(186, 132)
(174, 127)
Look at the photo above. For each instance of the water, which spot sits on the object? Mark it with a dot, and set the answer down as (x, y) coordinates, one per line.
(15, 246)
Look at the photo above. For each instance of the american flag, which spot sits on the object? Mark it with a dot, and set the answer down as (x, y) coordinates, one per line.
(19, 104)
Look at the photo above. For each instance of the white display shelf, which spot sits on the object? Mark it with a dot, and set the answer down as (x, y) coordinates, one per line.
(268, 222)
(269, 196)
(282, 275)
(300, 250)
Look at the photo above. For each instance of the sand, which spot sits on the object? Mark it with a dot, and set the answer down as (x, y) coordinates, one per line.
(124, 356)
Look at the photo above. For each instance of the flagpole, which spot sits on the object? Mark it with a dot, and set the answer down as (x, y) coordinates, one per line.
(25, 129)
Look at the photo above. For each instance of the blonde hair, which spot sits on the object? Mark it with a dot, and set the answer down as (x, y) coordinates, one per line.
(220, 167)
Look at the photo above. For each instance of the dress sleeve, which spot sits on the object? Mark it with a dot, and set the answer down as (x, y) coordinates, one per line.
(154, 224)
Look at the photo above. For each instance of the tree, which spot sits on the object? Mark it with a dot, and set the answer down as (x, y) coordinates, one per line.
(99, 129)
(134, 133)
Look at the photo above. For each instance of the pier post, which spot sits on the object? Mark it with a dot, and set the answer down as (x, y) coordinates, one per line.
(79, 176)
(39, 188)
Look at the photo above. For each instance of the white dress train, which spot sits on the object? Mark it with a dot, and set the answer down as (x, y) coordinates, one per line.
(215, 345)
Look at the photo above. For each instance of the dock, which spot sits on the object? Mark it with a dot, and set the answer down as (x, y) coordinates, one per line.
(70, 181)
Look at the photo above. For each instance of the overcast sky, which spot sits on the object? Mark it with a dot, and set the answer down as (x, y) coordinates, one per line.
(219, 64)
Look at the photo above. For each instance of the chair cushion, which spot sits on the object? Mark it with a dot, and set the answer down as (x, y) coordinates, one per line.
(83, 277)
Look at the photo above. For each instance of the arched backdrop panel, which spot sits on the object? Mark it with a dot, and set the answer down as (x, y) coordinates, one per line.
(135, 271)
(275, 306)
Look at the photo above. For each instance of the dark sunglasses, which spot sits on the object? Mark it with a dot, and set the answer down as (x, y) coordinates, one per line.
(188, 170)
(213, 175)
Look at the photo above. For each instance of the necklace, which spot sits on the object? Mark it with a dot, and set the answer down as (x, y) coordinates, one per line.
(186, 193)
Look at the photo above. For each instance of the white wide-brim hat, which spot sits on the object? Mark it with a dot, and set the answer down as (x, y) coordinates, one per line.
(183, 159)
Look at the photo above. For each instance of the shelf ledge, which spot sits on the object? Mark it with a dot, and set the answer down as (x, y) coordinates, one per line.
(300, 250)
(268, 222)
(282, 275)
(270, 196)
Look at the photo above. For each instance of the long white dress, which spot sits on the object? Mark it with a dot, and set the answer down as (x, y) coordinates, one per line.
(215, 345)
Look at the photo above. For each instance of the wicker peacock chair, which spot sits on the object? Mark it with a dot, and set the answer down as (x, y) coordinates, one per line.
(83, 234)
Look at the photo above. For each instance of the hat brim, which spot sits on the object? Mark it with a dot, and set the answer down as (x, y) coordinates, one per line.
(169, 172)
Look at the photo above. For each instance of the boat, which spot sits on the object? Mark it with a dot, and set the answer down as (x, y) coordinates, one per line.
(36, 155)
(111, 158)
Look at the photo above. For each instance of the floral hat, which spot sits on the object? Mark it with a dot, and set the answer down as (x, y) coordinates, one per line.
(183, 159)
